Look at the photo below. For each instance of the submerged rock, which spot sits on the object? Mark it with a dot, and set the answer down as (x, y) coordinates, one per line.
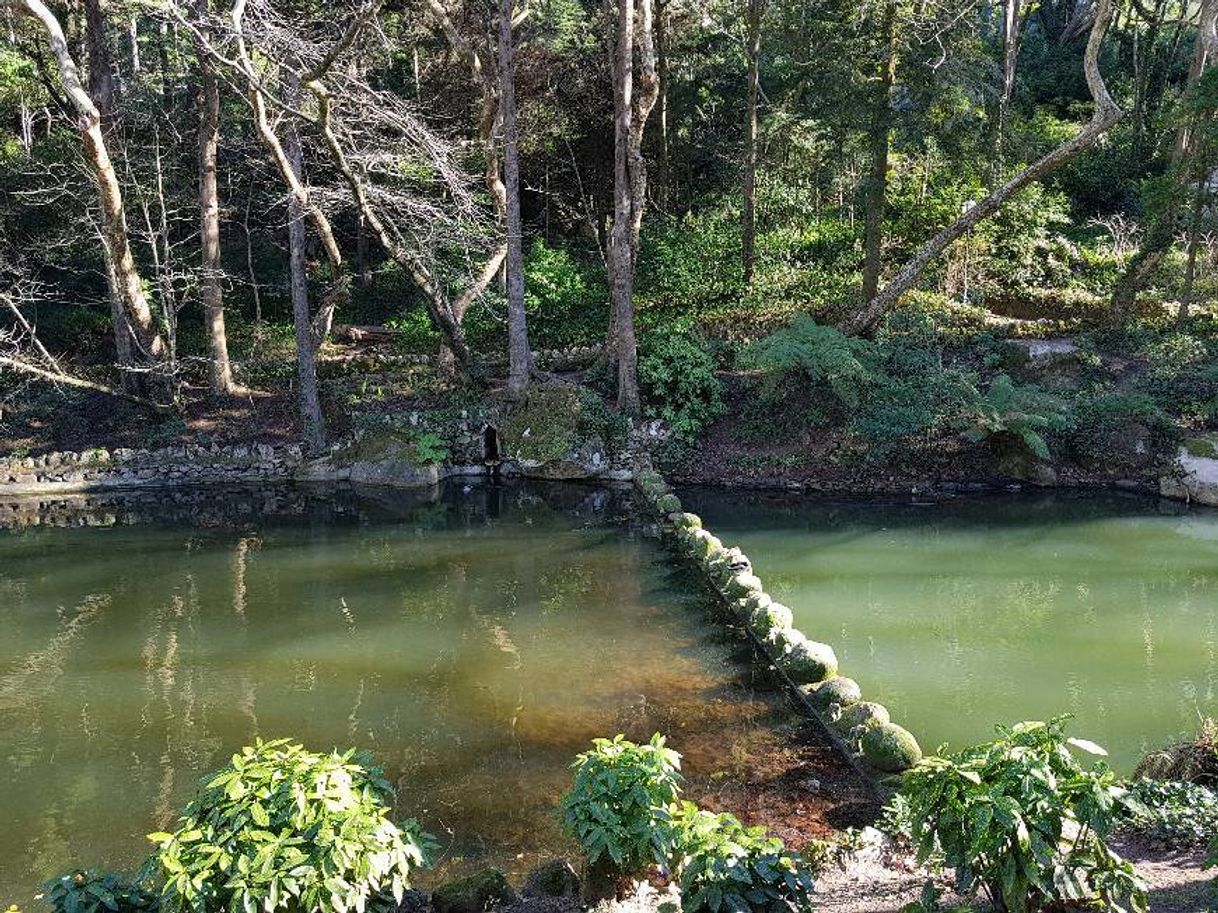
(552, 879)
(475, 894)
(890, 748)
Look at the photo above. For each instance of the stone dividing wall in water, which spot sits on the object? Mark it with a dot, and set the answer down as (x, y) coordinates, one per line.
(171, 466)
(863, 728)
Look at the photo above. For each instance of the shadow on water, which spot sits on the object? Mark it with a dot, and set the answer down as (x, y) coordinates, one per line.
(474, 639)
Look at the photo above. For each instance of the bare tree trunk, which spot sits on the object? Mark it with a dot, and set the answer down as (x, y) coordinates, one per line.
(756, 10)
(520, 360)
(1014, 15)
(209, 211)
(877, 180)
(630, 113)
(138, 333)
(313, 423)
(664, 178)
(1105, 115)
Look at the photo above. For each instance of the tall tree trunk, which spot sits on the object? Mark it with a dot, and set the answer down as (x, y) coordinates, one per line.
(756, 10)
(630, 113)
(1105, 115)
(135, 330)
(313, 423)
(520, 361)
(209, 210)
(1014, 15)
(664, 178)
(877, 180)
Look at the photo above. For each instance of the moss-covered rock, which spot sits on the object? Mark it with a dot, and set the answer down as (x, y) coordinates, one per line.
(864, 714)
(552, 879)
(890, 748)
(754, 601)
(836, 690)
(741, 585)
(687, 521)
(475, 894)
(543, 428)
(668, 504)
(769, 618)
(704, 545)
(809, 662)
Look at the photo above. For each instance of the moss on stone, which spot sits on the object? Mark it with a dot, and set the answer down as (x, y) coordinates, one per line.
(809, 662)
(769, 618)
(475, 894)
(668, 504)
(741, 585)
(836, 690)
(890, 748)
(543, 427)
(863, 714)
(1203, 448)
(687, 521)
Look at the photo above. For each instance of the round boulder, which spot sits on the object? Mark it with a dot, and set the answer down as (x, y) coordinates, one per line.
(741, 585)
(864, 714)
(809, 662)
(890, 748)
(769, 618)
(836, 690)
(669, 504)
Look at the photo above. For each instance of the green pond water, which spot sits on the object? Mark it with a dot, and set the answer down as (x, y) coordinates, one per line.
(474, 644)
(968, 613)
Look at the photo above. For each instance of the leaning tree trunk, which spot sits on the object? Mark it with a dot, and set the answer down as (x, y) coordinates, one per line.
(1105, 115)
(877, 181)
(520, 361)
(313, 424)
(748, 234)
(142, 339)
(209, 211)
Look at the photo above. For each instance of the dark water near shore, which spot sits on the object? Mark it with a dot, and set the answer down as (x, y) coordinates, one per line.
(474, 644)
(967, 613)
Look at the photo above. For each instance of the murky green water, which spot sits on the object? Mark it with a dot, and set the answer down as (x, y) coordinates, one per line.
(475, 645)
(965, 614)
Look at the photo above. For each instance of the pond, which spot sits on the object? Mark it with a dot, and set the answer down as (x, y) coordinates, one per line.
(474, 643)
(966, 613)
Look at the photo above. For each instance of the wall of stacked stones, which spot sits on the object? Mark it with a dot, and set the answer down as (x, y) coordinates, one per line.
(98, 470)
(863, 728)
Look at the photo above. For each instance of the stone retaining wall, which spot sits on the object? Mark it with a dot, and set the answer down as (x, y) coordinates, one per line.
(861, 729)
(100, 470)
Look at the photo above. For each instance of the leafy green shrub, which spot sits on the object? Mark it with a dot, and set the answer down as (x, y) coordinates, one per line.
(284, 828)
(98, 892)
(678, 382)
(430, 449)
(729, 868)
(1022, 819)
(1175, 812)
(1024, 412)
(620, 805)
(566, 299)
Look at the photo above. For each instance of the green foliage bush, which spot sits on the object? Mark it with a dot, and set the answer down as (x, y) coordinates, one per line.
(284, 828)
(678, 382)
(1022, 819)
(1175, 812)
(85, 891)
(620, 805)
(729, 868)
(1024, 412)
(567, 300)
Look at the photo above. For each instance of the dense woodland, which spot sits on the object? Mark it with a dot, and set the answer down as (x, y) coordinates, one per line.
(804, 231)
